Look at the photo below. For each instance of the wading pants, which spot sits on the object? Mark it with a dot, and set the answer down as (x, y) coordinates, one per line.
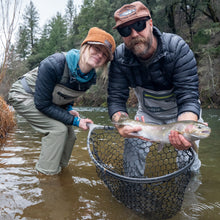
(58, 140)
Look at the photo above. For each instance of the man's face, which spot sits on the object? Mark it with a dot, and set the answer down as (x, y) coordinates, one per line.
(140, 43)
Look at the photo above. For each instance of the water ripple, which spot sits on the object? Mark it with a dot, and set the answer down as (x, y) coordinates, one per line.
(203, 209)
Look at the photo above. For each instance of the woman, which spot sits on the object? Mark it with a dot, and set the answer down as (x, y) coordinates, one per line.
(45, 95)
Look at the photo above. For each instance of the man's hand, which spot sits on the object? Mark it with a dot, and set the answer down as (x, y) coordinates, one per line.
(127, 131)
(176, 139)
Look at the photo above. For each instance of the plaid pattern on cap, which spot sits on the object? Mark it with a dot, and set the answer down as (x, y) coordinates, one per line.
(130, 12)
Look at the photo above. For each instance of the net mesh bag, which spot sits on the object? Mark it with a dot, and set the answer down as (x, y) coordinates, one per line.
(144, 179)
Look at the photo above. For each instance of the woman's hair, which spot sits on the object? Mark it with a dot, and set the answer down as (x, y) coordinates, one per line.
(85, 53)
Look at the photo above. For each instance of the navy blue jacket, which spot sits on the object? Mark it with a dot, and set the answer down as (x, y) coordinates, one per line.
(49, 74)
(174, 66)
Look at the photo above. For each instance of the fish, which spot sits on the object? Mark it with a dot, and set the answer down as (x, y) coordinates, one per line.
(191, 130)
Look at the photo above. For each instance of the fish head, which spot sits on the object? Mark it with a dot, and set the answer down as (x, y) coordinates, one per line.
(197, 130)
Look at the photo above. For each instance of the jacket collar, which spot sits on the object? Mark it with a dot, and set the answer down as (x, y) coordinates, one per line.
(72, 58)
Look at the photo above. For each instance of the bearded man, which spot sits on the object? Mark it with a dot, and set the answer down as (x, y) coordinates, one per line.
(162, 70)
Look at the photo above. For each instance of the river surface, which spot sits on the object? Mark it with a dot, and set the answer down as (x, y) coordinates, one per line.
(77, 193)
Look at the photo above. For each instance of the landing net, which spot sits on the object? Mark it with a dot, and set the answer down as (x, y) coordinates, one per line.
(146, 180)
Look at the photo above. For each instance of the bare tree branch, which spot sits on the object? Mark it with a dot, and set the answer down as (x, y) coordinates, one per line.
(10, 11)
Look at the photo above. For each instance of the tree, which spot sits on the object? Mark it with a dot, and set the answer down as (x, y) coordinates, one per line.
(31, 19)
(57, 35)
(189, 7)
(22, 43)
(41, 48)
(70, 15)
(9, 11)
(53, 39)
(28, 30)
(70, 18)
(210, 8)
(171, 13)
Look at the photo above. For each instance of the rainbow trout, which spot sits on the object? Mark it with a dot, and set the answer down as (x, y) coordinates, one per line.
(191, 130)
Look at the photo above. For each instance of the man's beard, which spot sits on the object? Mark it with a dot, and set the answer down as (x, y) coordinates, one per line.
(139, 46)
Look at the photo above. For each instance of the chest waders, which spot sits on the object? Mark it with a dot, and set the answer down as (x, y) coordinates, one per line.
(157, 107)
(58, 139)
(62, 95)
(161, 106)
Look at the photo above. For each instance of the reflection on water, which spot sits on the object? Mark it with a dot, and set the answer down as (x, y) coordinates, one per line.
(77, 193)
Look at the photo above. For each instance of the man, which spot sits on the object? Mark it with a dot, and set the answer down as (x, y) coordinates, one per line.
(162, 70)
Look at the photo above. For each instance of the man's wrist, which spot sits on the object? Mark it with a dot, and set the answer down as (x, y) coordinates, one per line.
(116, 116)
(187, 116)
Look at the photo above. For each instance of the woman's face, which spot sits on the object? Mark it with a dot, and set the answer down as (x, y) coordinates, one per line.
(98, 56)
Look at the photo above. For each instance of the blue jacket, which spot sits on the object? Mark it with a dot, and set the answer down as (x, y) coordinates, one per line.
(174, 66)
(50, 73)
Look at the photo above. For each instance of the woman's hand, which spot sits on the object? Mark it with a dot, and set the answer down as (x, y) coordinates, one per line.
(75, 113)
(83, 123)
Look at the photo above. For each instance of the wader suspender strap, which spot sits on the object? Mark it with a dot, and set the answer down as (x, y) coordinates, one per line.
(26, 86)
(66, 75)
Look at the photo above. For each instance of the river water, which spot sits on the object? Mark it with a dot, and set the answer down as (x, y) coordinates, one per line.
(77, 193)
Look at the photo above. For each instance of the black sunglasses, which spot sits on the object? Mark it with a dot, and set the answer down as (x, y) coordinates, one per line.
(137, 26)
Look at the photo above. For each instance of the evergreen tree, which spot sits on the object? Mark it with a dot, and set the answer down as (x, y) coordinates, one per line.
(43, 45)
(22, 45)
(70, 18)
(57, 40)
(70, 15)
(31, 20)
(28, 31)
(41, 49)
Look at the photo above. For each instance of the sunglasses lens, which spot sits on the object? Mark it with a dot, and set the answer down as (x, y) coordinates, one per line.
(124, 31)
(137, 26)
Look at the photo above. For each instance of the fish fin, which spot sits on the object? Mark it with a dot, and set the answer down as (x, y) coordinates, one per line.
(160, 147)
(194, 147)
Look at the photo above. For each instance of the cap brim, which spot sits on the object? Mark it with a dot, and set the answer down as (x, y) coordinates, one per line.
(99, 43)
(129, 20)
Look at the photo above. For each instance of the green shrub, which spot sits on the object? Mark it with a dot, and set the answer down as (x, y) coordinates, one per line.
(201, 37)
(215, 50)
